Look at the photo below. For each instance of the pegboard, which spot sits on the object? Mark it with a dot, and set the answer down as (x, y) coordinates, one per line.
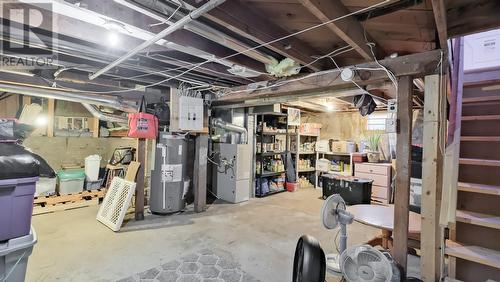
(115, 203)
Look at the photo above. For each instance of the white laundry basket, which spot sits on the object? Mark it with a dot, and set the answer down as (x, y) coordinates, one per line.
(92, 164)
(14, 255)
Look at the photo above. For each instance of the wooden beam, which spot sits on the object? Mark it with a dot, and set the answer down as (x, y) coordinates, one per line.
(240, 19)
(26, 100)
(200, 173)
(403, 171)
(439, 10)
(349, 29)
(95, 127)
(431, 236)
(412, 65)
(139, 188)
(50, 117)
(467, 17)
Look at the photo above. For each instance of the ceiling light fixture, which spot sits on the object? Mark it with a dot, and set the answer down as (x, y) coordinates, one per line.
(113, 38)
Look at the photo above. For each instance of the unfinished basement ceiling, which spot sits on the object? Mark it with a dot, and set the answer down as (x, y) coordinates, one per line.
(227, 36)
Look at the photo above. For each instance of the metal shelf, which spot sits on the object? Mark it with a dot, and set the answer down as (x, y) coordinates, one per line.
(270, 173)
(270, 193)
(267, 154)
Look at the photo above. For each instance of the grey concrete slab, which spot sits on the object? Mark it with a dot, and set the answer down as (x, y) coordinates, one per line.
(260, 235)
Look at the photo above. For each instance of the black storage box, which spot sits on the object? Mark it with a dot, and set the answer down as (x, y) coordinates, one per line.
(353, 190)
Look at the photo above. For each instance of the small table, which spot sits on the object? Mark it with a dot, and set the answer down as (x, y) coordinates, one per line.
(382, 217)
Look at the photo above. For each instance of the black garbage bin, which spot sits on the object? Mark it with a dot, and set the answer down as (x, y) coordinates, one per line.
(353, 190)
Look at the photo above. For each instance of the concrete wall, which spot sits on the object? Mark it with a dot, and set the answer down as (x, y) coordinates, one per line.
(73, 150)
(341, 125)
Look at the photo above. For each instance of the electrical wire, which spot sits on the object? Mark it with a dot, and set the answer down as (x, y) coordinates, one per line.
(169, 18)
(197, 65)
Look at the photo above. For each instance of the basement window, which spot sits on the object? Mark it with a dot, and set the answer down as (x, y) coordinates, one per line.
(376, 121)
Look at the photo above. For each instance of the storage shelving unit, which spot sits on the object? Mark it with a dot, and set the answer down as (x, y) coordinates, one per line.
(298, 154)
(263, 138)
(337, 156)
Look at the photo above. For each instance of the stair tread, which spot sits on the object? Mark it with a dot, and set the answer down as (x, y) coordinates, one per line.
(480, 99)
(473, 253)
(479, 188)
(480, 219)
(481, 138)
(483, 162)
(483, 117)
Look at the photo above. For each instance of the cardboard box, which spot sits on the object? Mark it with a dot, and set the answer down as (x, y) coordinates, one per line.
(339, 146)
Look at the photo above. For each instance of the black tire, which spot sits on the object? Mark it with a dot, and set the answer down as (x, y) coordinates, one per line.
(309, 264)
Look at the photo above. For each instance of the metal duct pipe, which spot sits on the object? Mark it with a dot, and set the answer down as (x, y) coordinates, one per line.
(177, 25)
(104, 116)
(46, 92)
(217, 122)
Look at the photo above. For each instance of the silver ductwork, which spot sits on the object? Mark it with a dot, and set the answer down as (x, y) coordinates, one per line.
(84, 98)
(104, 116)
(217, 122)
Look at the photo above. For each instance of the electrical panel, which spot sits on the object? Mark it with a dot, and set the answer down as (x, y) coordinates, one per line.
(190, 113)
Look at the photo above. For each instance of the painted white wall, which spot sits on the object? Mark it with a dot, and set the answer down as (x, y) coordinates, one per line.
(482, 50)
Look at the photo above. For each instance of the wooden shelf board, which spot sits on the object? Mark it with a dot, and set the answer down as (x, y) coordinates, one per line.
(473, 253)
(481, 162)
(480, 219)
(479, 188)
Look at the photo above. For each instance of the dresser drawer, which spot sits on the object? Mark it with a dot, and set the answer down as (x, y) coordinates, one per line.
(373, 169)
(380, 192)
(379, 180)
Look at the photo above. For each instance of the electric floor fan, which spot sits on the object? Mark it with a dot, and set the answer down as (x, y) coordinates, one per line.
(334, 214)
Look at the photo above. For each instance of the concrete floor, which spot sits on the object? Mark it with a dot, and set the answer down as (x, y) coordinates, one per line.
(260, 234)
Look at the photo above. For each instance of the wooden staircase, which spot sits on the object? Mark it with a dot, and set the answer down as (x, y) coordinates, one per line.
(474, 245)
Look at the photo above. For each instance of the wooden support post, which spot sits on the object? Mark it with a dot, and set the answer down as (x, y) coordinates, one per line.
(403, 169)
(95, 127)
(139, 188)
(26, 100)
(50, 117)
(200, 173)
(432, 169)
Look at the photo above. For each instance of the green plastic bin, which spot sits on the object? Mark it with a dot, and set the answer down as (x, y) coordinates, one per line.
(70, 181)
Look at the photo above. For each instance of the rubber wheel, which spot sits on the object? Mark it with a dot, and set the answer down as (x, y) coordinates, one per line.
(309, 264)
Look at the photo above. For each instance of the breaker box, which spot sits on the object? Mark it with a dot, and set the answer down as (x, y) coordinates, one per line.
(186, 112)
(190, 113)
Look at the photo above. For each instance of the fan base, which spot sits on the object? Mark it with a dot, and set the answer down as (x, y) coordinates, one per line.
(333, 263)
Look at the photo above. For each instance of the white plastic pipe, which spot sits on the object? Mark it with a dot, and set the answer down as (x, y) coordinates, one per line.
(177, 25)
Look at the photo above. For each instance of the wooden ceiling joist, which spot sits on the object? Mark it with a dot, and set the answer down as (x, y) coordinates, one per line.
(349, 29)
(439, 9)
(412, 65)
(247, 23)
(467, 17)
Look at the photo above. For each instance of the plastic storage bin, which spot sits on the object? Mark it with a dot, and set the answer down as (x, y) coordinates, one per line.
(93, 185)
(16, 207)
(45, 186)
(352, 189)
(70, 181)
(92, 165)
(14, 255)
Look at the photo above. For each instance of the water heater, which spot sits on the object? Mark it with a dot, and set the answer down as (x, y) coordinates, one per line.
(168, 174)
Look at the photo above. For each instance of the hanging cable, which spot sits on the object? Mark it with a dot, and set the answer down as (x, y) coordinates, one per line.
(197, 65)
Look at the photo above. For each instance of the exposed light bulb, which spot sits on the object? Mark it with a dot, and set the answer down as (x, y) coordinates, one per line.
(41, 121)
(113, 39)
(330, 107)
